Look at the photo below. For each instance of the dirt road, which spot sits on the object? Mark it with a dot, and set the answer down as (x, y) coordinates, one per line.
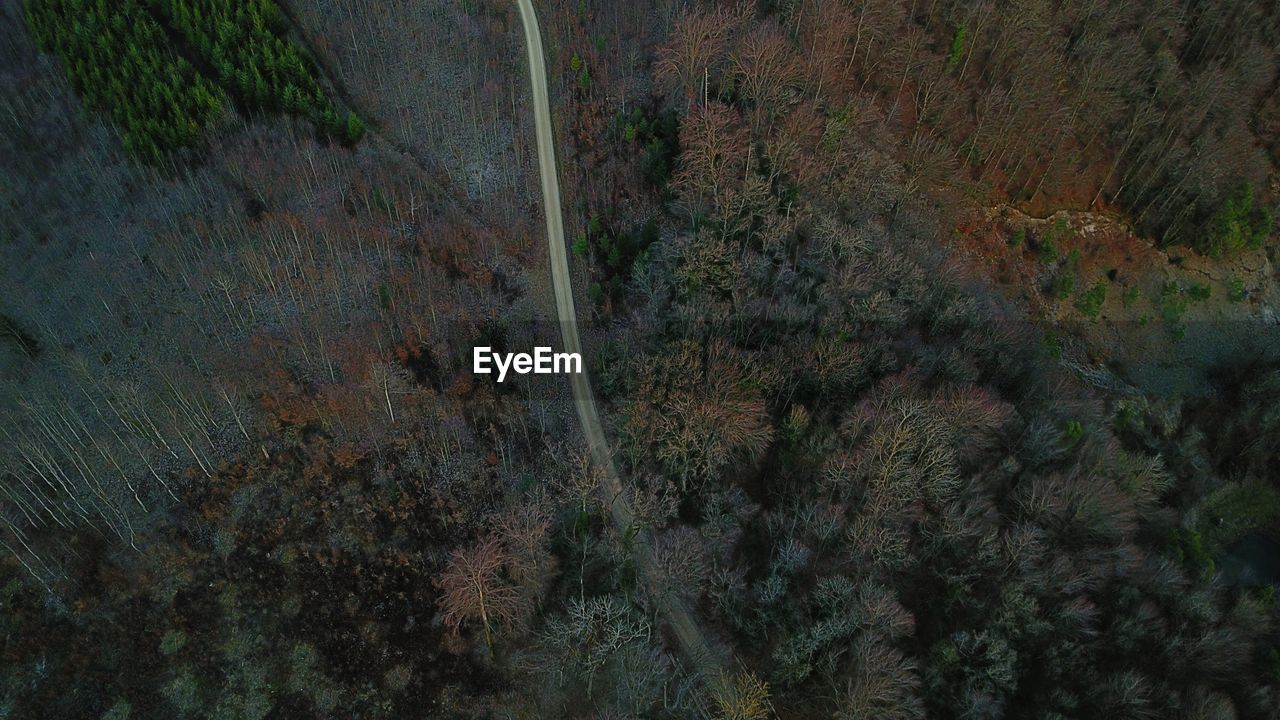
(693, 645)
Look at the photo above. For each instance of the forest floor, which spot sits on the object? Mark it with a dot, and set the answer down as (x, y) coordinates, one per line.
(393, 64)
(708, 661)
(1160, 319)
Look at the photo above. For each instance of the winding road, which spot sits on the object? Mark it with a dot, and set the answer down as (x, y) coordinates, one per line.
(709, 663)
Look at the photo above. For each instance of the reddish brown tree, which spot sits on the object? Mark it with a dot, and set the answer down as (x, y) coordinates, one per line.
(696, 51)
(715, 157)
(792, 147)
(473, 589)
(768, 71)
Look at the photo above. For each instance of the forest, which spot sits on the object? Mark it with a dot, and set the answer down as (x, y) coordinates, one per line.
(880, 302)
(164, 70)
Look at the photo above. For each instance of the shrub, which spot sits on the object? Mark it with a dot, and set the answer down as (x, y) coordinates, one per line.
(1050, 238)
(1235, 289)
(1064, 284)
(1052, 345)
(1173, 303)
(1130, 296)
(1073, 432)
(957, 47)
(1238, 224)
(1060, 229)
(1090, 303)
(1048, 252)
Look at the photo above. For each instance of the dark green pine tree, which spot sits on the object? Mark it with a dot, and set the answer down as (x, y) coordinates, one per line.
(354, 129)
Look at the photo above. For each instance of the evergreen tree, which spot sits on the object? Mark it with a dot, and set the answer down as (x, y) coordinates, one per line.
(124, 63)
(354, 129)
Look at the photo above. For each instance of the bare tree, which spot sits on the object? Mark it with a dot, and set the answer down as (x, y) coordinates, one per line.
(696, 52)
(742, 696)
(473, 589)
(715, 159)
(769, 71)
(884, 685)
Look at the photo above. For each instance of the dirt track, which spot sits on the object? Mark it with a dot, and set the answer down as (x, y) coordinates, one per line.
(693, 645)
